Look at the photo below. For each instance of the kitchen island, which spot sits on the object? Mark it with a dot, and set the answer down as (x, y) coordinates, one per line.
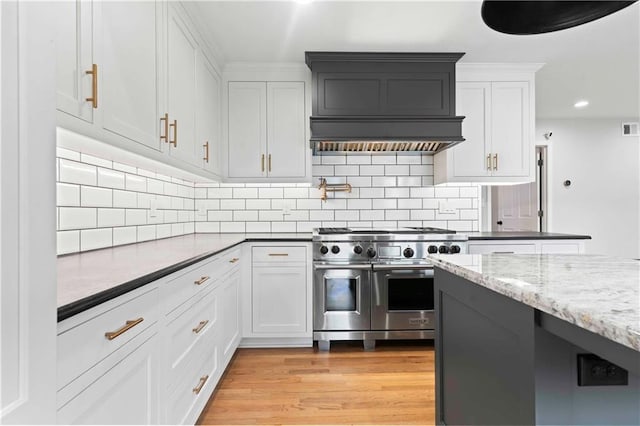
(512, 330)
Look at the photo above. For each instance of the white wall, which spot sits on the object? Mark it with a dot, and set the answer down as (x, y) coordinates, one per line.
(604, 197)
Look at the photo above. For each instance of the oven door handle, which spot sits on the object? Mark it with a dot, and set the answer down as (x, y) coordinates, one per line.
(428, 269)
(366, 267)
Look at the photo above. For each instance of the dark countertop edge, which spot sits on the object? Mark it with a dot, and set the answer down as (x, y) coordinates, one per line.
(529, 237)
(86, 303)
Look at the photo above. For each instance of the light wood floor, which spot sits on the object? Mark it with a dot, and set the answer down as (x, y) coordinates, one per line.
(392, 385)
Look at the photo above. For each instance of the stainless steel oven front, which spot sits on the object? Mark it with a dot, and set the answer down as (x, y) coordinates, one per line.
(342, 297)
(402, 297)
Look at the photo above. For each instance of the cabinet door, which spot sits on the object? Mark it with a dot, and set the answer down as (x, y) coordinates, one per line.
(247, 129)
(230, 319)
(208, 114)
(510, 133)
(279, 299)
(473, 100)
(72, 21)
(181, 81)
(126, 394)
(126, 39)
(286, 144)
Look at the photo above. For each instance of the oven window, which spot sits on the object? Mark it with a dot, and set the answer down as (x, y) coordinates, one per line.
(410, 294)
(340, 294)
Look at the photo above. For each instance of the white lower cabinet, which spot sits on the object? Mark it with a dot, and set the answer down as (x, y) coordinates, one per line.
(279, 292)
(526, 246)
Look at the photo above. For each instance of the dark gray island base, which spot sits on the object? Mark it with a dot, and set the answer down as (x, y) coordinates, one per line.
(501, 361)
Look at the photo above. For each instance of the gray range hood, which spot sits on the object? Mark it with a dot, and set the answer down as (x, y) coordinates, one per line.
(383, 102)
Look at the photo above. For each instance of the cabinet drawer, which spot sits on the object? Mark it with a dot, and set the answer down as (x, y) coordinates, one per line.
(501, 248)
(190, 335)
(227, 261)
(560, 248)
(185, 397)
(86, 344)
(279, 254)
(182, 288)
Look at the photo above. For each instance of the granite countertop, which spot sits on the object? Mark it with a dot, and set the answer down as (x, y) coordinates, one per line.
(87, 279)
(524, 235)
(597, 293)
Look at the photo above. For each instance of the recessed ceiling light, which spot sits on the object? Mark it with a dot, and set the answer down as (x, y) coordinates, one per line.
(581, 104)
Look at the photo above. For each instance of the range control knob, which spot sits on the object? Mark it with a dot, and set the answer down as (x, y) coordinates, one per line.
(357, 249)
(408, 252)
(324, 249)
(432, 249)
(335, 249)
(443, 249)
(371, 252)
(454, 249)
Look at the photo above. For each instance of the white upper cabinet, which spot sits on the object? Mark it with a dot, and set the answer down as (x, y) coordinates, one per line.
(267, 124)
(74, 57)
(498, 103)
(181, 82)
(247, 140)
(127, 46)
(208, 115)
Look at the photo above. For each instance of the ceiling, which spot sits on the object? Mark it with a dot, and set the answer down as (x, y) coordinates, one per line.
(598, 61)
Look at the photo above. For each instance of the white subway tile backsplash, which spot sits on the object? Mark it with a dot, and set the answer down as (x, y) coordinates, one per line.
(90, 159)
(170, 189)
(91, 196)
(135, 183)
(347, 170)
(409, 181)
(447, 216)
(385, 224)
(359, 181)
(230, 227)
(110, 217)
(471, 192)
(390, 203)
(372, 192)
(348, 215)
(124, 235)
(334, 159)
(323, 171)
(469, 214)
(245, 192)
(307, 226)
(422, 192)
(155, 186)
(220, 215)
(170, 216)
(200, 192)
(77, 218)
(409, 159)
(125, 199)
(207, 226)
(385, 181)
(383, 159)
(245, 215)
(146, 233)
(270, 215)
(110, 178)
(401, 170)
(421, 170)
(447, 192)
(396, 192)
(176, 229)
(410, 203)
(232, 204)
(371, 215)
(68, 195)
(163, 231)
(68, 154)
(124, 168)
(359, 204)
(295, 193)
(283, 227)
(296, 215)
(74, 172)
(321, 215)
(422, 214)
(374, 170)
(258, 227)
(358, 159)
(135, 217)
(307, 204)
(396, 214)
(270, 193)
(91, 239)
(258, 204)
(220, 193)
(68, 241)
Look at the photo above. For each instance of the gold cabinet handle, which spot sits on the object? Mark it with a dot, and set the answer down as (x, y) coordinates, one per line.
(495, 161)
(165, 137)
(206, 151)
(269, 163)
(174, 142)
(94, 86)
(262, 163)
(201, 384)
(127, 326)
(200, 326)
(234, 260)
(201, 280)
(489, 162)
(278, 254)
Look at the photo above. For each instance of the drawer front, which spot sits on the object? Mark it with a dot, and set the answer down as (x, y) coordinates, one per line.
(227, 261)
(279, 254)
(191, 334)
(501, 248)
(195, 387)
(560, 248)
(182, 288)
(86, 344)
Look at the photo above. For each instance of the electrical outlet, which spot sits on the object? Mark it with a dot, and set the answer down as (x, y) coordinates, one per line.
(446, 207)
(153, 208)
(287, 206)
(595, 371)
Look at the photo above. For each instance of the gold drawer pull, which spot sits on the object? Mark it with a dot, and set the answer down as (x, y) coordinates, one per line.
(200, 326)
(94, 86)
(174, 142)
(201, 280)
(262, 163)
(495, 161)
(234, 260)
(165, 119)
(278, 254)
(128, 325)
(201, 384)
(269, 163)
(206, 152)
(489, 162)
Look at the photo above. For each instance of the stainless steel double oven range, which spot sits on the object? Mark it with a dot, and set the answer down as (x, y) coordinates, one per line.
(375, 284)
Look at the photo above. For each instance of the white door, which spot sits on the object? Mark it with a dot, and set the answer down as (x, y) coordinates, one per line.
(230, 319)
(72, 22)
(286, 144)
(181, 81)
(247, 129)
(473, 101)
(27, 214)
(510, 139)
(516, 207)
(208, 114)
(126, 38)
(279, 299)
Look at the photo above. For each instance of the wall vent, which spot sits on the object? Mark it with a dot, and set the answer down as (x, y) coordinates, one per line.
(631, 129)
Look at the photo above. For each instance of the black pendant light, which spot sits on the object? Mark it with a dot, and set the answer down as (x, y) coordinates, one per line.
(536, 17)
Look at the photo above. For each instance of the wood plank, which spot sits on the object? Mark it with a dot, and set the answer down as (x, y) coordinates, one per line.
(392, 385)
